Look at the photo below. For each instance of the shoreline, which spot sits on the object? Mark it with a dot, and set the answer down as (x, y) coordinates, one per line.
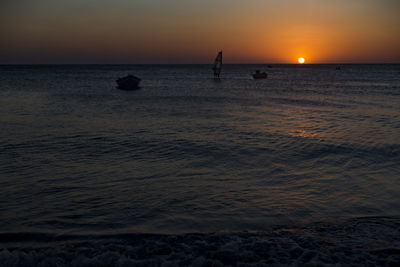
(367, 241)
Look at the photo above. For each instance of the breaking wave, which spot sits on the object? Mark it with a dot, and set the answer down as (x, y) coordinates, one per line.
(373, 241)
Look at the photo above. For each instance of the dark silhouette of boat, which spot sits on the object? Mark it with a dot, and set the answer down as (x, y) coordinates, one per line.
(129, 82)
(259, 75)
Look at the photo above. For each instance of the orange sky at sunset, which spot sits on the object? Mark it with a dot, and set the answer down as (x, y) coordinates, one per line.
(178, 31)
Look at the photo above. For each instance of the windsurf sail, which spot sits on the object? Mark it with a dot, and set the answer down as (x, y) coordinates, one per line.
(217, 64)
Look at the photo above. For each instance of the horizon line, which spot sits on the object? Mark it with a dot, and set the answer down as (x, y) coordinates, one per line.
(338, 63)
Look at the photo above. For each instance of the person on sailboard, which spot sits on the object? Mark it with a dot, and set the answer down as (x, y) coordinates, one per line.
(217, 65)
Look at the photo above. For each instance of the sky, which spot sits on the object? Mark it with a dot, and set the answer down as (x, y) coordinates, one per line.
(193, 31)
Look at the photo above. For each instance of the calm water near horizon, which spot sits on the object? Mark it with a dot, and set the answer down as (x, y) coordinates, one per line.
(187, 153)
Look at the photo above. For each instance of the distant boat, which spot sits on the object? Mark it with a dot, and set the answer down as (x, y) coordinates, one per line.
(129, 82)
(259, 75)
(217, 65)
(338, 68)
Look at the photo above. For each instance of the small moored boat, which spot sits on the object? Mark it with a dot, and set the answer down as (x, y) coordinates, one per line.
(129, 82)
(259, 75)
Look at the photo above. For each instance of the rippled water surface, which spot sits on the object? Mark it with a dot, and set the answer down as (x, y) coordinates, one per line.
(187, 153)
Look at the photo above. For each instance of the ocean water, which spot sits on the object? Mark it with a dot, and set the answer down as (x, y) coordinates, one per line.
(190, 154)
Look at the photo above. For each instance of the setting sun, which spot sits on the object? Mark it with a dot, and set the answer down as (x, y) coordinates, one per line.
(301, 60)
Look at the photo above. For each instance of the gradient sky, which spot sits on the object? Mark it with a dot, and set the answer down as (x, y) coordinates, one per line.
(189, 31)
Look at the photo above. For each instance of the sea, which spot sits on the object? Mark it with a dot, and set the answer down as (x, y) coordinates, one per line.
(190, 170)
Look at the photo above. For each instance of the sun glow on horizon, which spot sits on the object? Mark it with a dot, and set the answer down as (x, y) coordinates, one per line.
(173, 32)
(301, 60)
